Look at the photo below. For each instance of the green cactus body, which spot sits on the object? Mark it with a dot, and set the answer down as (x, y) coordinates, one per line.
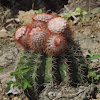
(48, 70)
(30, 71)
(37, 69)
(63, 66)
(40, 71)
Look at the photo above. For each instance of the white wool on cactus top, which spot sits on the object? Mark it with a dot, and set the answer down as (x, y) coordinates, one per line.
(57, 25)
(43, 17)
(20, 32)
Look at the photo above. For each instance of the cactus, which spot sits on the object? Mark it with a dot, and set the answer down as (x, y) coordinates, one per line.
(21, 36)
(43, 17)
(41, 20)
(55, 44)
(57, 25)
(36, 38)
(53, 57)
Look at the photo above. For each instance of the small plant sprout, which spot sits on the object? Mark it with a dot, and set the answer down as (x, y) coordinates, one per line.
(76, 15)
(38, 11)
(93, 74)
(81, 12)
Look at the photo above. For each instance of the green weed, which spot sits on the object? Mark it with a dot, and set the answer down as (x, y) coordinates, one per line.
(93, 75)
(78, 11)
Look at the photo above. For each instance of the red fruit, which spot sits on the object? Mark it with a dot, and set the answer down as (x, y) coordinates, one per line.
(55, 44)
(21, 36)
(36, 38)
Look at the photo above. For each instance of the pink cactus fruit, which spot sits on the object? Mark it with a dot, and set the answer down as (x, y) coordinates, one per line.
(41, 19)
(21, 36)
(55, 44)
(36, 38)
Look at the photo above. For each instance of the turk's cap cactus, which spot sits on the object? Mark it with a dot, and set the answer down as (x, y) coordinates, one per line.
(57, 25)
(21, 36)
(55, 44)
(42, 17)
(47, 33)
(37, 37)
(37, 23)
(41, 20)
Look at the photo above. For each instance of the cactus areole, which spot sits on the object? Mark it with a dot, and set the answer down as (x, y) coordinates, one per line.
(46, 34)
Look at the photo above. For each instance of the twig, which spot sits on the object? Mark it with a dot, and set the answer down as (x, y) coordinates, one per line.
(70, 95)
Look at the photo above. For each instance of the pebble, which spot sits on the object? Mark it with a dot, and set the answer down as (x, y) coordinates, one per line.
(95, 10)
(3, 33)
(51, 95)
(0, 88)
(5, 99)
(25, 99)
(0, 52)
(16, 98)
(98, 96)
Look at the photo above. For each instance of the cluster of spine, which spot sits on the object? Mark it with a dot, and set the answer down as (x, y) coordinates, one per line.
(47, 33)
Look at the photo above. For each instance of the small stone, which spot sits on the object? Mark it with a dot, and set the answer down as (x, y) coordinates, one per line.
(95, 10)
(3, 64)
(5, 98)
(12, 20)
(16, 98)
(51, 95)
(59, 94)
(11, 39)
(25, 99)
(0, 52)
(9, 56)
(26, 17)
(98, 96)
(81, 87)
(80, 90)
(44, 98)
(0, 88)
(23, 96)
(3, 33)
(87, 30)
